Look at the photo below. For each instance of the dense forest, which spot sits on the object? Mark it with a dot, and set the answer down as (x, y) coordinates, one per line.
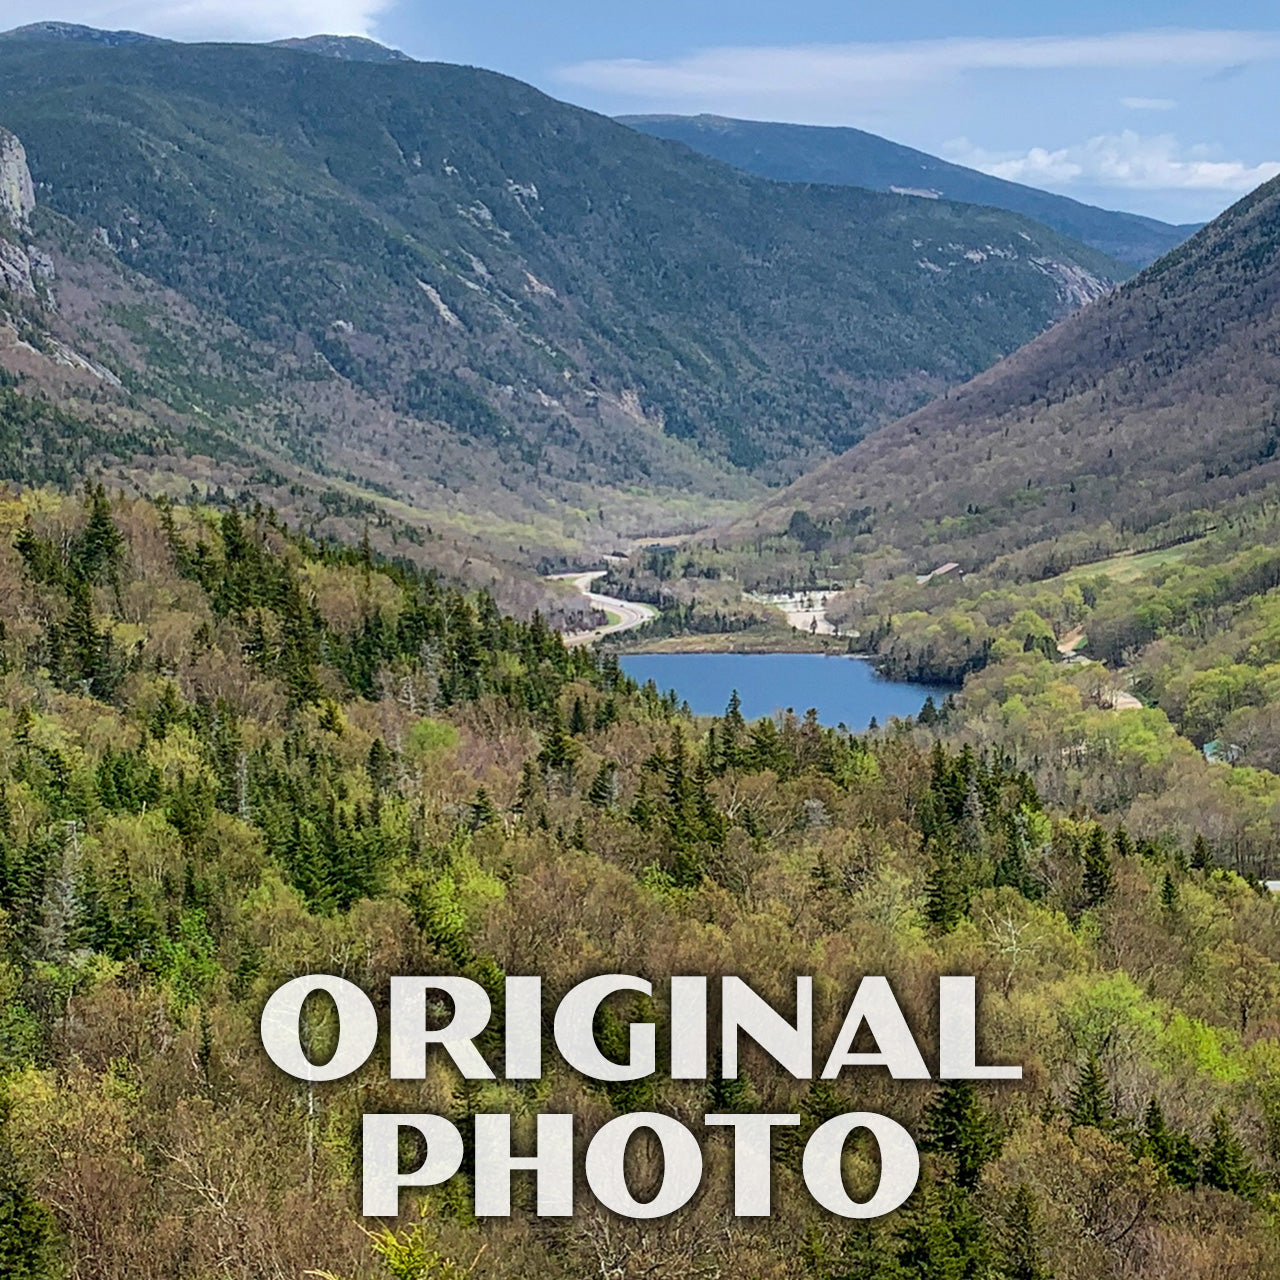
(230, 755)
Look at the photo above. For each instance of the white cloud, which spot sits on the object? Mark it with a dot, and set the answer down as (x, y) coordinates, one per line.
(206, 19)
(1148, 104)
(820, 75)
(1121, 160)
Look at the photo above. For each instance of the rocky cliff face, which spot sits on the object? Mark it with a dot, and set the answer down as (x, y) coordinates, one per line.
(17, 194)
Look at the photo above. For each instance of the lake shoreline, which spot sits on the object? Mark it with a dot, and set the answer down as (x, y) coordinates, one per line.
(749, 640)
(775, 683)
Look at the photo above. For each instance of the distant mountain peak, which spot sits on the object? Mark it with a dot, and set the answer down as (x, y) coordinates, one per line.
(79, 33)
(345, 48)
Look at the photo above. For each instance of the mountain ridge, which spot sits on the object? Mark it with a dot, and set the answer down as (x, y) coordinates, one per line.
(1149, 406)
(854, 157)
(465, 293)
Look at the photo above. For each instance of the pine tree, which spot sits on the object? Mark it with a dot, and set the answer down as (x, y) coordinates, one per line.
(946, 900)
(1020, 1245)
(27, 1230)
(940, 1235)
(957, 1124)
(1091, 1102)
(604, 786)
(1168, 893)
(379, 764)
(1099, 878)
(822, 1102)
(529, 793)
(733, 1096)
(732, 731)
(1226, 1166)
(559, 750)
(99, 547)
(1173, 1150)
(1202, 858)
(868, 1252)
(483, 811)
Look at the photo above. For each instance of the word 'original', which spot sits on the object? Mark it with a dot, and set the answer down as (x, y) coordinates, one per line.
(415, 1003)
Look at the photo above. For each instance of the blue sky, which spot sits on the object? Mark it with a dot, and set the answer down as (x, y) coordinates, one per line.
(1166, 108)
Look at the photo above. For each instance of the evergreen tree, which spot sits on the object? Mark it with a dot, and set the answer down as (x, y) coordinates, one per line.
(1099, 878)
(96, 553)
(946, 898)
(732, 732)
(483, 811)
(559, 751)
(1091, 1102)
(1173, 1150)
(604, 786)
(868, 1252)
(941, 1236)
(529, 793)
(27, 1230)
(1201, 855)
(822, 1102)
(1020, 1245)
(957, 1124)
(380, 764)
(733, 1096)
(1226, 1166)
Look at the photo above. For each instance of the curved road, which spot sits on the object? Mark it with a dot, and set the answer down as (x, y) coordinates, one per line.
(630, 613)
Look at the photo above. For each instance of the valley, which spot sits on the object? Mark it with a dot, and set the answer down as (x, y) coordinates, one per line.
(498, 315)
(447, 531)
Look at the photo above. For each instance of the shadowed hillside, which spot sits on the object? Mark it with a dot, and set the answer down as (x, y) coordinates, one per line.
(1154, 402)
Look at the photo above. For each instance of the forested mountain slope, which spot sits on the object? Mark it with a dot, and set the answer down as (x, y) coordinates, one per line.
(852, 157)
(229, 756)
(444, 278)
(1155, 402)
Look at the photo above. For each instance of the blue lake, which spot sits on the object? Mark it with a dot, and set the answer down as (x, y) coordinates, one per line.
(842, 690)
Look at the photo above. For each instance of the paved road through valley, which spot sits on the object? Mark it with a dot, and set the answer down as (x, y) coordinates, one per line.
(630, 613)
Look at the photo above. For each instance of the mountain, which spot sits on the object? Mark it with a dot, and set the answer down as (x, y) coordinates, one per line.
(1139, 415)
(850, 157)
(75, 33)
(347, 48)
(442, 287)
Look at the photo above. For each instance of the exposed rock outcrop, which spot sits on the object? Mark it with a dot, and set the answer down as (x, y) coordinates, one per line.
(15, 270)
(17, 193)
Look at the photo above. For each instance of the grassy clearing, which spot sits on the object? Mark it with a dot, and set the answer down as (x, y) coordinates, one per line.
(1129, 566)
